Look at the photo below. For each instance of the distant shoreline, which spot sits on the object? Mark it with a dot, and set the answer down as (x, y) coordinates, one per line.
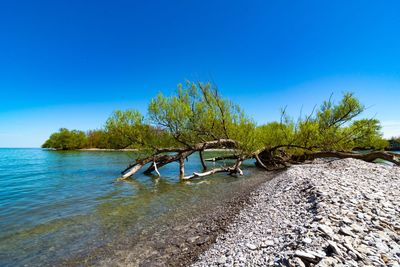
(93, 149)
(107, 149)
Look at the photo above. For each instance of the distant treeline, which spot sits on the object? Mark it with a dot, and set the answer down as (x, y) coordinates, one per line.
(66, 139)
(123, 129)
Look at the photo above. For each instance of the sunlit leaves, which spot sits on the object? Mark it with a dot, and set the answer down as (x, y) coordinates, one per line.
(197, 113)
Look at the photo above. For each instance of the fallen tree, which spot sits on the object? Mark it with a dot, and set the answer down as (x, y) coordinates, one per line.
(264, 159)
(197, 119)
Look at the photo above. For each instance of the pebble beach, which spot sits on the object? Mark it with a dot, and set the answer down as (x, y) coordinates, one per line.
(325, 213)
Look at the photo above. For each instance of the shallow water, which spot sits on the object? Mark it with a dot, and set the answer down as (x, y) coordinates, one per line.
(56, 206)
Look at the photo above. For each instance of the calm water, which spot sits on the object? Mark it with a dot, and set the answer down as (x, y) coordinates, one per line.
(55, 206)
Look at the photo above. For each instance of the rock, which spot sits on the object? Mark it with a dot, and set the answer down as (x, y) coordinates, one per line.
(384, 258)
(347, 244)
(334, 247)
(347, 220)
(326, 229)
(202, 240)
(298, 262)
(346, 231)
(318, 254)
(357, 228)
(222, 259)
(305, 256)
(382, 247)
(307, 240)
(363, 249)
(318, 217)
(267, 243)
(192, 239)
(327, 262)
(251, 246)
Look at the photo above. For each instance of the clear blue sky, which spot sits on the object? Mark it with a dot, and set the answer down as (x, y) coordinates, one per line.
(71, 63)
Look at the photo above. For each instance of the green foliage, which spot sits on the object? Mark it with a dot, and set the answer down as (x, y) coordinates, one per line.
(99, 139)
(366, 134)
(65, 139)
(198, 113)
(331, 116)
(129, 129)
(275, 134)
(126, 129)
(333, 127)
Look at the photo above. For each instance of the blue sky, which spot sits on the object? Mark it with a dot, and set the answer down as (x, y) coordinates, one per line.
(71, 63)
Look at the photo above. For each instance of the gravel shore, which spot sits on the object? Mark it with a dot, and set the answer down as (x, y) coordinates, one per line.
(338, 213)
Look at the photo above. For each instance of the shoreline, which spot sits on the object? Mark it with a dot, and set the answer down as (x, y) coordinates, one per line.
(319, 214)
(177, 243)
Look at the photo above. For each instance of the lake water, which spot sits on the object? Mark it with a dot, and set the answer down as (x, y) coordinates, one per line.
(56, 206)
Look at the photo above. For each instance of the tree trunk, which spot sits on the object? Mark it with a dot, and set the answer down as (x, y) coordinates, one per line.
(132, 171)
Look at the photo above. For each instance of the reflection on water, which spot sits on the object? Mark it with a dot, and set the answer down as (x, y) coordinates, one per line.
(58, 205)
